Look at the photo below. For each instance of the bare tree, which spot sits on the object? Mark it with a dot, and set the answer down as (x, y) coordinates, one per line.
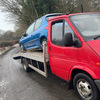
(24, 12)
(21, 10)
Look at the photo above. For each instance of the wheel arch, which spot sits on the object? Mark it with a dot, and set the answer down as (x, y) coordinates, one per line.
(75, 70)
(19, 44)
(42, 37)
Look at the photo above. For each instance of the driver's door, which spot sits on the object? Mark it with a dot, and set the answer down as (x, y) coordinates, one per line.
(61, 58)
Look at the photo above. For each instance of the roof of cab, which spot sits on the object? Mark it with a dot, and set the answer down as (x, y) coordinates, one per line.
(67, 15)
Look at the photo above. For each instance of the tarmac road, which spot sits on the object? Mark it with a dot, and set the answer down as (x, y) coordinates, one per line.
(16, 84)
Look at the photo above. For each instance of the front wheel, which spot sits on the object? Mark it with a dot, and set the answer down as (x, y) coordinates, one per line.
(85, 87)
(22, 48)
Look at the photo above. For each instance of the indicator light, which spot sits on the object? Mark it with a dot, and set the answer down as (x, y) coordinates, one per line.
(97, 63)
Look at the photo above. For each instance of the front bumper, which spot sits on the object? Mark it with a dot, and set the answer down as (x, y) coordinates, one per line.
(97, 82)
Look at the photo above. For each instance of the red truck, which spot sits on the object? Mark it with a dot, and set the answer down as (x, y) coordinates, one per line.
(73, 53)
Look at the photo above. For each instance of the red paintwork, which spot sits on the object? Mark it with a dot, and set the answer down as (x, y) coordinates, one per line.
(95, 46)
(63, 60)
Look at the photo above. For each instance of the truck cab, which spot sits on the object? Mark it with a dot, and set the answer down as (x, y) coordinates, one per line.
(74, 51)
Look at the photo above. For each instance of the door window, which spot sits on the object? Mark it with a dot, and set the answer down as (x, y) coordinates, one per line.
(57, 33)
(59, 29)
(38, 23)
(30, 29)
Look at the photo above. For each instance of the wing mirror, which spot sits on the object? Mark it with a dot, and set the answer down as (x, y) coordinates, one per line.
(46, 27)
(24, 34)
(68, 39)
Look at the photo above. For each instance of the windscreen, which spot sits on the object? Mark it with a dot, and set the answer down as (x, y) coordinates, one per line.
(88, 25)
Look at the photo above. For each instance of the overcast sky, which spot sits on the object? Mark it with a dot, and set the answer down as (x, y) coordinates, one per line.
(4, 24)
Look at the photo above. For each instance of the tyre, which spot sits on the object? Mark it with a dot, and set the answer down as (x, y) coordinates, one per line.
(85, 87)
(25, 65)
(43, 42)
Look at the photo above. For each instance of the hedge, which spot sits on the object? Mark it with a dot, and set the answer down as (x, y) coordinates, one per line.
(7, 43)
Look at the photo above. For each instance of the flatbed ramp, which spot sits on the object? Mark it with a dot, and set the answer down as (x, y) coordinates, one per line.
(38, 56)
(36, 60)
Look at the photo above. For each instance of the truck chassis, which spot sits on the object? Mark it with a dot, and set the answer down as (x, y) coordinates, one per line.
(36, 60)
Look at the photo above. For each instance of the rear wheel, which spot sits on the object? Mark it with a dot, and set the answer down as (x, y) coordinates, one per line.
(44, 40)
(85, 87)
(25, 65)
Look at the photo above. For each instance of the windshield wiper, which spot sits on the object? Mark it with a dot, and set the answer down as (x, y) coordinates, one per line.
(96, 37)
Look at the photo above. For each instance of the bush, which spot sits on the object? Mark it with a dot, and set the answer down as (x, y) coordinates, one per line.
(7, 43)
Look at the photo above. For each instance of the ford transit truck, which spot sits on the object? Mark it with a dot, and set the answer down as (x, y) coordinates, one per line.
(72, 53)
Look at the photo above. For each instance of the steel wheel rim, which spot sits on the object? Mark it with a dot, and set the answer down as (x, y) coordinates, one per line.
(43, 43)
(84, 89)
(25, 67)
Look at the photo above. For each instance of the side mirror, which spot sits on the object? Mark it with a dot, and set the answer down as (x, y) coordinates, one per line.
(46, 27)
(24, 34)
(68, 39)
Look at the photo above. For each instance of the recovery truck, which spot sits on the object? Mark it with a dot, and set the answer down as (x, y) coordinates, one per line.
(72, 51)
